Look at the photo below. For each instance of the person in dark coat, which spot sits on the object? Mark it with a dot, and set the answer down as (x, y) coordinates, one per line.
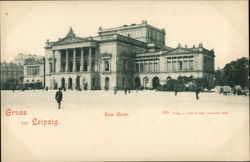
(115, 90)
(59, 97)
(175, 91)
(197, 91)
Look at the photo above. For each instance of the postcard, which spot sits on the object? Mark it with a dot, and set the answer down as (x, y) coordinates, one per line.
(124, 81)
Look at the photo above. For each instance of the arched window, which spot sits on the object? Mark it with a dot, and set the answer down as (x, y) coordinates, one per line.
(106, 64)
(106, 83)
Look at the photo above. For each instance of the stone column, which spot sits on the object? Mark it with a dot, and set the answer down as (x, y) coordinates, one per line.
(67, 61)
(171, 64)
(74, 60)
(96, 60)
(54, 63)
(177, 60)
(154, 65)
(110, 64)
(149, 66)
(81, 60)
(90, 63)
(144, 68)
(139, 68)
(73, 82)
(58, 61)
(188, 63)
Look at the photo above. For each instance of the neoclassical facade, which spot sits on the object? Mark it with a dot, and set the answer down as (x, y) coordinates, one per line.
(34, 74)
(124, 57)
(11, 75)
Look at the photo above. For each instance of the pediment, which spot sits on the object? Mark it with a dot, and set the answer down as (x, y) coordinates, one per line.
(180, 51)
(69, 40)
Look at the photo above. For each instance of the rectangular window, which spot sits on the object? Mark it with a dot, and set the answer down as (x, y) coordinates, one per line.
(85, 63)
(106, 65)
(151, 65)
(179, 65)
(174, 65)
(137, 67)
(169, 67)
(93, 61)
(146, 66)
(191, 65)
(50, 67)
(141, 67)
(63, 67)
(124, 65)
(185, 63)
(157, 65)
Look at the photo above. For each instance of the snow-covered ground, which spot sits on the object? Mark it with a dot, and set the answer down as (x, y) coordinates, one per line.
(151, 126)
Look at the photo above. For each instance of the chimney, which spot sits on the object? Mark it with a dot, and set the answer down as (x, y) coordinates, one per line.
(193, 46)
(185, 46)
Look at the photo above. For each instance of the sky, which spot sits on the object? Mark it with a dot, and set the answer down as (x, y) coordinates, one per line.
(219, 25)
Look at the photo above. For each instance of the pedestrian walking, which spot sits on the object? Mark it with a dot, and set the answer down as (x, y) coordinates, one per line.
(59, 97)
(125, 90)
(115, 90)
(175, 91)
(197, 91)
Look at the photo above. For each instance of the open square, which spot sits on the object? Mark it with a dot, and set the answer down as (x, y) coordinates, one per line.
(146, 125)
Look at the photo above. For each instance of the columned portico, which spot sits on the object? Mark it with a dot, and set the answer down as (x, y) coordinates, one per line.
(75, 60)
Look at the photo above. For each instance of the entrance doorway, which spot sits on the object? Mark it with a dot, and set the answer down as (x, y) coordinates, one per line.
(78, 82)
(137, 82)
(156, 82)
(63, 83)
(70, 83)
(145, 83)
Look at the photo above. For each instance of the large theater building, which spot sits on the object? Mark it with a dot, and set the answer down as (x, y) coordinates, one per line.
(125, 57)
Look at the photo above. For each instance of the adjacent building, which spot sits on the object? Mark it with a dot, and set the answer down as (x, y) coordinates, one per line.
(21, 58)
(34, 74)
(124, 57)
(11, 76)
